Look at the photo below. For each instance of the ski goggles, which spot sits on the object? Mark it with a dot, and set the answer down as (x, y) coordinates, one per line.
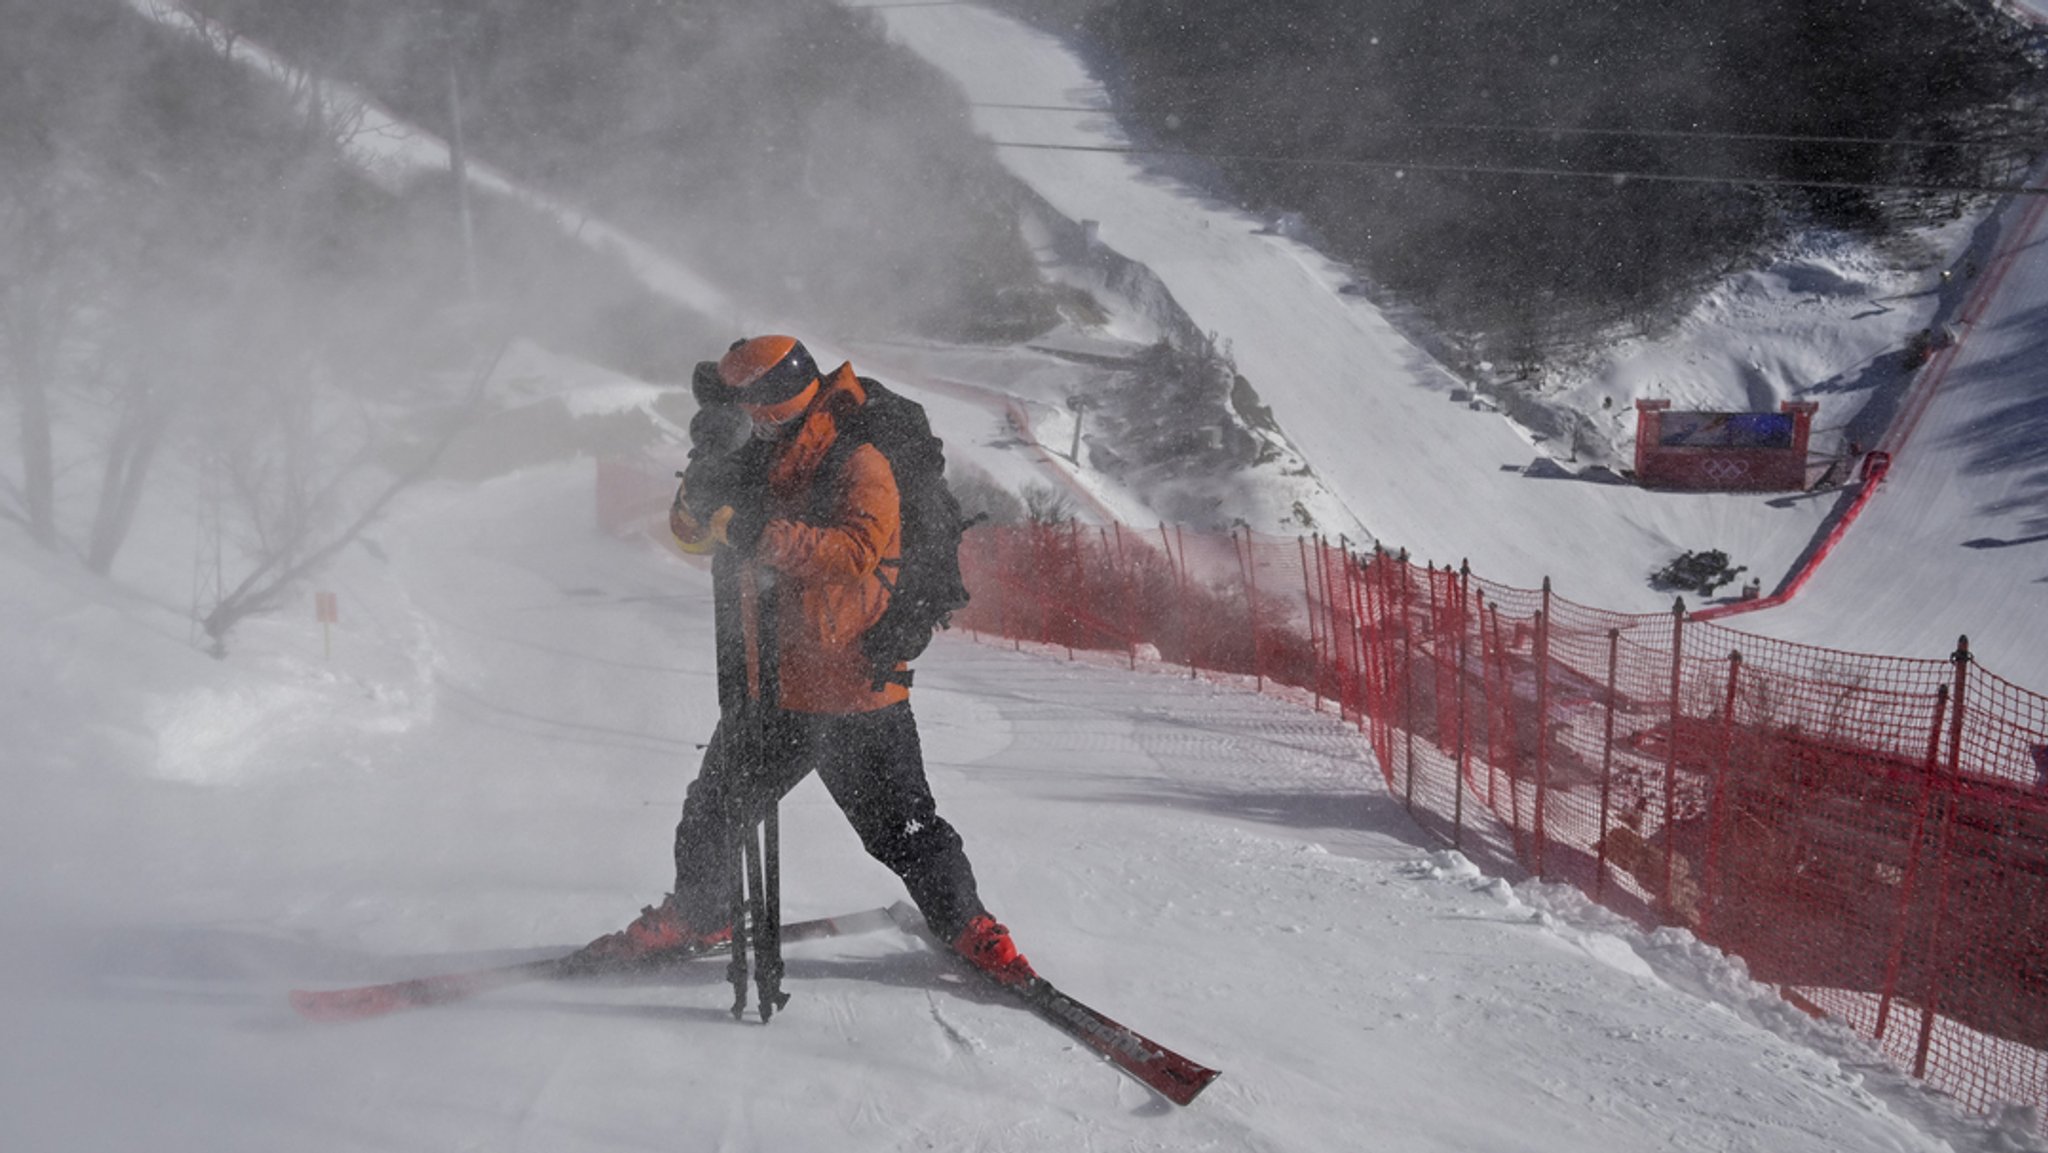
(770, 420)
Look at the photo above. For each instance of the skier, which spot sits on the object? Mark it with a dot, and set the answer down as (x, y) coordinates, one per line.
(808, 543)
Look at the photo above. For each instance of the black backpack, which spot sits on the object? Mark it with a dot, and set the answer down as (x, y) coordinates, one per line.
(927, 587)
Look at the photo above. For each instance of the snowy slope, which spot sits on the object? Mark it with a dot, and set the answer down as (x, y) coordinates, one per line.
(491, 763)
(396, 151)
(1956, 539)
(1373, 412)
(492, 760)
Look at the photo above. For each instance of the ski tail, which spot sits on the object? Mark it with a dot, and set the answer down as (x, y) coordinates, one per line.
(330, 1005)
(367, 1001)
(848, 925)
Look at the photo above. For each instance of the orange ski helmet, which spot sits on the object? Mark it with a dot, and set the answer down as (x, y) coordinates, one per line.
(772, 377)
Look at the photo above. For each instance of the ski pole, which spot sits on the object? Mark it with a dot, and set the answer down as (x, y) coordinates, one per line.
(736, 969)
(736, 831)
(768, 922)
(757, 912)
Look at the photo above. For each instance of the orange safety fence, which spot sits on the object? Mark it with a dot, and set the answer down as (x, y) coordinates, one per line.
(1869, 833)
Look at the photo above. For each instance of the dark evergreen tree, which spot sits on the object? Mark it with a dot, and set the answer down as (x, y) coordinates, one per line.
(1330, 94)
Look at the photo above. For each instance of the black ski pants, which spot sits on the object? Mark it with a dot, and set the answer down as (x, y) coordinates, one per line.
(873, 766)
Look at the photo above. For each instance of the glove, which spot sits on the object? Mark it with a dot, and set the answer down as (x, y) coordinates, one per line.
(715, 479)
(740, 529)
(696, 537)
(725, 528)
(706, 386)
(719, 500)
(719, 430)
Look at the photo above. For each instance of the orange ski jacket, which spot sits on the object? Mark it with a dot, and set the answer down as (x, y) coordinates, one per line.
(833, 544)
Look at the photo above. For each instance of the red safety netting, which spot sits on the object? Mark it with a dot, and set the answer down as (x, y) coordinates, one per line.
(1868, 833)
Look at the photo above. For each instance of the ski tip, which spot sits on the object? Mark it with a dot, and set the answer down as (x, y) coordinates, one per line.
(343, 1004)
(1187, 1086)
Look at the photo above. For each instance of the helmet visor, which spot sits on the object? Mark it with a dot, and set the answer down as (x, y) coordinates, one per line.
(770, 420)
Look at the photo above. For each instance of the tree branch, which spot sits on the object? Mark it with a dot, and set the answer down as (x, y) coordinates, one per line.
(16, 508)
(253, 593)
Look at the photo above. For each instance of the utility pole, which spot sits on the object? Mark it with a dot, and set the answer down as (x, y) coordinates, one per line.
(458, 167)
(1080, 405)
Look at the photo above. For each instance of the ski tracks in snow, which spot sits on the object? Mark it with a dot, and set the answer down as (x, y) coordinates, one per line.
(956, 1033)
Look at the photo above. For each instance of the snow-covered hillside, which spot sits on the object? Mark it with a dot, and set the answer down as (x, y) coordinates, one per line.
(489, 765)
(1386, 429)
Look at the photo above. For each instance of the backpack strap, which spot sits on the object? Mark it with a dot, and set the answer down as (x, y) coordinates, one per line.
(828, 485)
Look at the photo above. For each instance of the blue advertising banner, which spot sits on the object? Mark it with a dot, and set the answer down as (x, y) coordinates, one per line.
(1726, 430)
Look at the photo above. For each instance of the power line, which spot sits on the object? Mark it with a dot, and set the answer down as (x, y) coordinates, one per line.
(1708, 134)
(1655, 133)
(1617, 176)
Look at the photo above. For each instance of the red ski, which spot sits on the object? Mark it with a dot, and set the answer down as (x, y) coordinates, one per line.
(1151, 1064)
(1155, 1066)
(376, 1000)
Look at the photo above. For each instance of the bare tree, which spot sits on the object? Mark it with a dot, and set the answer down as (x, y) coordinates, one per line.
(52, 264)
(1044, 504)
(130, 255)
(291, 503)
(216, 34)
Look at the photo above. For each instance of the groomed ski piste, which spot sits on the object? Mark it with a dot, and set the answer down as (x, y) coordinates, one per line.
(487, 769)
(1956, 541)
(491, 766)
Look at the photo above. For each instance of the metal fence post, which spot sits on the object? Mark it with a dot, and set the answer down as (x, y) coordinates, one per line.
(1007, 584)
(1488, 654)
(1408, 679)
(1896, 955)
(1247, 567)
(1717, 799)
(1333, 652)
(1606, 767)
(1354, 578)
(1186, 621)
(1308, 603)
(1464, 586)
(1540, 832)
(1390, 622)
(1671, 746)
(1373, 656)
(1120, 564)
(1504, 724)
(1436, 670)
(1080, 584)
(1930, 1003)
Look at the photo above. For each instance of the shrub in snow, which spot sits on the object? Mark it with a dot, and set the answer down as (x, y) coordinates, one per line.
(1702, 572)
(981, 497)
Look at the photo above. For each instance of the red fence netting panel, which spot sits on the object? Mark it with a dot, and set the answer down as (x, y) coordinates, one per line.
(1869, 833)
